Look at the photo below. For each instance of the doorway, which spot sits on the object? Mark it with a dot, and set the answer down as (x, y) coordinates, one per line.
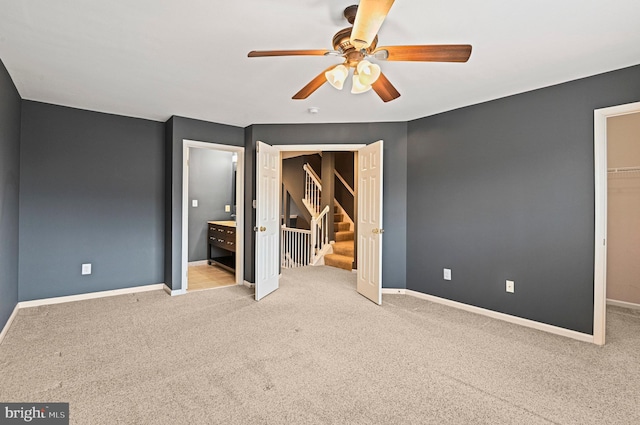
(369, 236)
(212, 215)
(601, 243)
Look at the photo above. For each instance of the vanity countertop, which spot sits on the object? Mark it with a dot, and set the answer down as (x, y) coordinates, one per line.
(227, 223)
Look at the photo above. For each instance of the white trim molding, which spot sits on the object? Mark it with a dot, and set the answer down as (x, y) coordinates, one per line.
(394, 291)
(505, 317)
(321, 148)
(7, 325)
(624, 304)
(600, 117)
(90, 295)
(249, 284)
(198, 263)
(174, 292)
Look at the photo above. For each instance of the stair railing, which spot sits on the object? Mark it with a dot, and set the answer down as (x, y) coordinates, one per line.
(301, 247)
(312, 191)
(295, 247)
(319, 234)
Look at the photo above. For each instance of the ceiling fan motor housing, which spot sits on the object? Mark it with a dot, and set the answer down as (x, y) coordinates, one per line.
(342, 43)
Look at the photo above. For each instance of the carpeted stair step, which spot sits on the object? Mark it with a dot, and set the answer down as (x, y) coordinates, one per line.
(339, 261)
(344, 236)
(344, 248)
(341, 226)
(337, 218)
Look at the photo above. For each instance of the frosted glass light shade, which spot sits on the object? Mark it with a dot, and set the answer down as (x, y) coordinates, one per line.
(358, 87)
(368, 72)
(337, 76)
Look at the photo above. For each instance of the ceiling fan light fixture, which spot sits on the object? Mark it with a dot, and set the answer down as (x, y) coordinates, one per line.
(368, 73)
(357, 87)
(337, 76)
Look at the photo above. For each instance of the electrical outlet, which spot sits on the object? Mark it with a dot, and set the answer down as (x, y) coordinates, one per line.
(510, 286)
(446, 274)
(227, 208)
(86, 268)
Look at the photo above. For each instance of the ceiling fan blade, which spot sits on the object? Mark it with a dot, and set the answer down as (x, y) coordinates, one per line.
(369, 18)
(428, 53)
(265, 53)
(313, 85)
(385, 89)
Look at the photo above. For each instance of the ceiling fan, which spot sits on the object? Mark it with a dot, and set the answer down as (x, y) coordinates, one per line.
(359, 43)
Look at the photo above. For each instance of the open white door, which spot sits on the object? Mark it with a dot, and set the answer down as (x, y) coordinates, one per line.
(267, 220)
(370, 222)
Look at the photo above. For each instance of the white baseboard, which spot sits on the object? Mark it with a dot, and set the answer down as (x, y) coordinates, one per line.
(249, 284)
(90, 295)
(624, 304)
(174, 292)
(5, 329)
(505, 317)
(393, 291)
(198, 263)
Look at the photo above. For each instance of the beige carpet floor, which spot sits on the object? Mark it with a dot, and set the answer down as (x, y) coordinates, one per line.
(313, 352)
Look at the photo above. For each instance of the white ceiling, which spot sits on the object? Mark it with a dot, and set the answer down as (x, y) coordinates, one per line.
(157, 58)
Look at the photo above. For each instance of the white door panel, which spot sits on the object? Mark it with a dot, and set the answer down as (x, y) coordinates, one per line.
(370, 228)
(267, 222)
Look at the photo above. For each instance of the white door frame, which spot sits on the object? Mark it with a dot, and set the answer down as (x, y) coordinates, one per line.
(186, 144)
(600, 243)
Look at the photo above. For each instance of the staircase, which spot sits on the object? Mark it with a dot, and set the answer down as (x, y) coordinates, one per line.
(343, 252)
(301, 247)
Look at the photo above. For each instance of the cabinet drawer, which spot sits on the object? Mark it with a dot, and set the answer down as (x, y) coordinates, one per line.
(219, 242)
(230, 245)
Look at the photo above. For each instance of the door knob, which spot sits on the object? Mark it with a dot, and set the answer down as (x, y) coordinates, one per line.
(262, 228)
(378, 231)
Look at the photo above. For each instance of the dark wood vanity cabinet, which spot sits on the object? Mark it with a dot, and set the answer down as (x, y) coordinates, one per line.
(222, 234)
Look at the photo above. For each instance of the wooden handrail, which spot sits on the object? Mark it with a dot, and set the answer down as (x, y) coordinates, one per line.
(344, 182)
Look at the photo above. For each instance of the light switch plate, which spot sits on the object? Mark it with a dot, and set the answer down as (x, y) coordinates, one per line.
(446, 274)
(194, 203)
(227, 208)
(86, 268)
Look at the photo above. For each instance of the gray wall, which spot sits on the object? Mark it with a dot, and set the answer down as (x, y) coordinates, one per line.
(9, 187)
(345, 166)
(210, 181)
(293, 179)
(394, 185)
(91, 192)
(177, 129)
(505, 190)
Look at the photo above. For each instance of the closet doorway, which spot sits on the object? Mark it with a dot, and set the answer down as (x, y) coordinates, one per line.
(623, 210)
(212, 215)
(617, 196)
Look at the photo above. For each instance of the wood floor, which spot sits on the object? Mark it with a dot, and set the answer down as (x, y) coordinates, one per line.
(205, 277)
